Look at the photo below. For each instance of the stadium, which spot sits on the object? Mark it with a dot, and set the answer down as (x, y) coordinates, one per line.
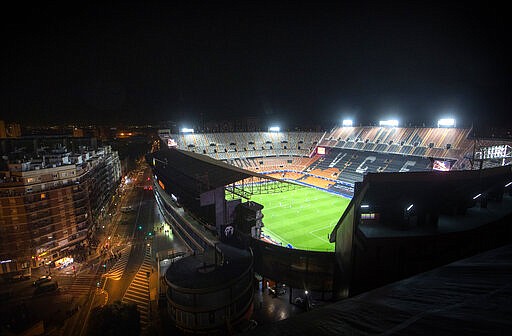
(337, 212)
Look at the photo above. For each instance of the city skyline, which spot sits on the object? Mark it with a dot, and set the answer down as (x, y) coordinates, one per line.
(139, 63)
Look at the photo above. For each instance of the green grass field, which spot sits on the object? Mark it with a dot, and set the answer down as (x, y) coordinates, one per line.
(303, 217)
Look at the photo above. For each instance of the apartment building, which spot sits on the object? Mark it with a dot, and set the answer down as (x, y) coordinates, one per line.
(50, 202)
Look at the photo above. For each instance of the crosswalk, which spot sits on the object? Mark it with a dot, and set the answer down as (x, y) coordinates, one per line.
(116, 272)
(138, 291)
(81, 284)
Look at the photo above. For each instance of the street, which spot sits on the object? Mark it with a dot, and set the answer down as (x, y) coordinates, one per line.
(122, 267)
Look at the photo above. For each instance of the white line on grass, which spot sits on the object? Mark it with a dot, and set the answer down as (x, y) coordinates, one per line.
(319, 229)
(274, 235)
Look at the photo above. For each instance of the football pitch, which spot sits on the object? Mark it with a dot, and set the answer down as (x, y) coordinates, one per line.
(302, 217)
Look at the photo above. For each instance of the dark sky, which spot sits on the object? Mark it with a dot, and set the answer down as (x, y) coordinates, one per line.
(287, 63)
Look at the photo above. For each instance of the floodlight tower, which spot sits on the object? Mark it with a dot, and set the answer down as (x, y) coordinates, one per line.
(389, 123)
(446, 122)
(347, 123)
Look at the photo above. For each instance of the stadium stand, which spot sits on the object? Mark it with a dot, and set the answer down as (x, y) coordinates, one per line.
(351, 152)
(428, 142)
(351, 165)
(224, 146)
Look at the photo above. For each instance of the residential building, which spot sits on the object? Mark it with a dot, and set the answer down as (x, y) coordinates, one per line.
(50, 203)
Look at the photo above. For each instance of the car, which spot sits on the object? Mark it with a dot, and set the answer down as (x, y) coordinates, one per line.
(47, 286)
(42, 280)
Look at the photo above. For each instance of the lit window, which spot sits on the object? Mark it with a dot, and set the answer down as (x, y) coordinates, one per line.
(368, 216)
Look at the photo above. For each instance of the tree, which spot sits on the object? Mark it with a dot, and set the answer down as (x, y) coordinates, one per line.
(115, 319)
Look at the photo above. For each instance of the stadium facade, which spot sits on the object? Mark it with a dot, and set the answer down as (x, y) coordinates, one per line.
(419, 199)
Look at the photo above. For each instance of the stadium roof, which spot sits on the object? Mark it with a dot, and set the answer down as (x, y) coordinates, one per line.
(206, 172)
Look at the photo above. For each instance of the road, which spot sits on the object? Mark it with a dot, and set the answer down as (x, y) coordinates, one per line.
(119, 271)
(137, 236)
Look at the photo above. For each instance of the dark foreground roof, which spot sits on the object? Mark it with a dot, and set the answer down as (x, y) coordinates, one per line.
(469, 297)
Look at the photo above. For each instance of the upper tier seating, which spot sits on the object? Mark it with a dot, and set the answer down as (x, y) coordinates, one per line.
(448, 143)
(226, 146)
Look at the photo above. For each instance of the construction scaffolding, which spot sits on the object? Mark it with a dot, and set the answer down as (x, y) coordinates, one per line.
(256, 185)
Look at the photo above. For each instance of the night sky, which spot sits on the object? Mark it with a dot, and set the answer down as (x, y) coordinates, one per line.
(284, 63)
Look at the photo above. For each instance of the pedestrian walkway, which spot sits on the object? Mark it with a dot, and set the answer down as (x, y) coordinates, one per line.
(81, 284)
(138, 291)
(116, 272)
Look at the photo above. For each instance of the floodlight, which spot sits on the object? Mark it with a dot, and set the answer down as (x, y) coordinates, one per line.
(274, 129)
(365, 206)
(477, 196)
(306, 292)
(410, 207)
(508, 184)
(390, 123)
(347, 123)
(187, 130)
(446, 122)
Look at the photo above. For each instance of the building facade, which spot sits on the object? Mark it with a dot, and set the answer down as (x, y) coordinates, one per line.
(50, 202)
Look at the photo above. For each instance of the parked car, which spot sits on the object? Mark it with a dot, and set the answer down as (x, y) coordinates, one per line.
(42, 280)
(48, 286)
